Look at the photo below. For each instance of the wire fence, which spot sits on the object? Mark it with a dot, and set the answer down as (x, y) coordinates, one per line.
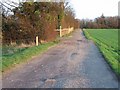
(17, 41)
(10, 47)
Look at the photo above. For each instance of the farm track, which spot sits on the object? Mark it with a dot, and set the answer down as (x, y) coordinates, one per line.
(74, 63)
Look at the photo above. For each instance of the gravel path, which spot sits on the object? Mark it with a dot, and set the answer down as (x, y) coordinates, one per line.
(74, 63)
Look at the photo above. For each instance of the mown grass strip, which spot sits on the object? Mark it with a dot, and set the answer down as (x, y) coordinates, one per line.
(10, 61)
(105, 42)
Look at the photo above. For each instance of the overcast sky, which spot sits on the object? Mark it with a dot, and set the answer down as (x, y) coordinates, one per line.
(94, 8)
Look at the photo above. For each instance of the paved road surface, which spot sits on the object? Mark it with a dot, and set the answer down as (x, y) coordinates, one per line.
(74, 63)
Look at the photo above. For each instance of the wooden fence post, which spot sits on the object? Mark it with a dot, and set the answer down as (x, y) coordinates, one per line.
(36, 40)
(60, 32)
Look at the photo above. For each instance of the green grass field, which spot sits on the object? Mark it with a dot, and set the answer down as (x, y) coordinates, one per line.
(107, 41)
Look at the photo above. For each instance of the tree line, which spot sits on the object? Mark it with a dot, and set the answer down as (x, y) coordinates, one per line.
(31, 19)
(100, 23)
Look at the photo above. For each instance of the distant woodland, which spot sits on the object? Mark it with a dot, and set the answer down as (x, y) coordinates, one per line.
(101, 22)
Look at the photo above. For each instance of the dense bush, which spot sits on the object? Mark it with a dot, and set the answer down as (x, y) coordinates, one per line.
(31, 19)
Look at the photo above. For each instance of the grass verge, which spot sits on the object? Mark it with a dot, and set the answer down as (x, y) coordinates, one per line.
(9, 61)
